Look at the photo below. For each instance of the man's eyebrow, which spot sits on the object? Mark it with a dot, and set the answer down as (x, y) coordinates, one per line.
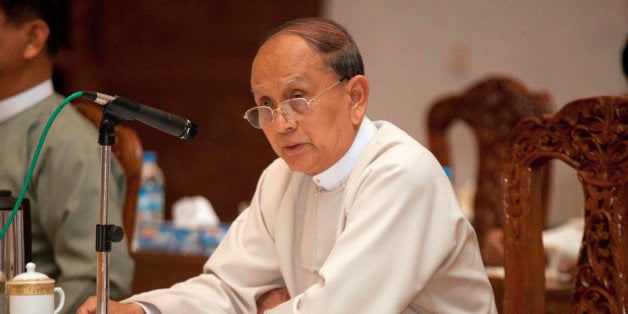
(292, 81)
(297, 79)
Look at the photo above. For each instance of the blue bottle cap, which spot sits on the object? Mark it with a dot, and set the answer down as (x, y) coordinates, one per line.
(149, 156)
(448, 171)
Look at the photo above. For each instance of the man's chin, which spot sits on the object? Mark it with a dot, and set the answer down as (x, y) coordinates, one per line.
(300, 167)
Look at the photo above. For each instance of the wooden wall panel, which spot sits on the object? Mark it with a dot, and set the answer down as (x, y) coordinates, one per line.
(191, 58)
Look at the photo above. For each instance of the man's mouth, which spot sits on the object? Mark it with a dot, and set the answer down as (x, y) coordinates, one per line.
(290, 149)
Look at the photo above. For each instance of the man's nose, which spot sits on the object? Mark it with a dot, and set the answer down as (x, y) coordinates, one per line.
(283, 121)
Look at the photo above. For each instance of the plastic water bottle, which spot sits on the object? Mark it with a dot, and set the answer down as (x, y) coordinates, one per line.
(151, 199)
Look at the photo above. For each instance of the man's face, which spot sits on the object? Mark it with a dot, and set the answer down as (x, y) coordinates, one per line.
(286, 67)
(13, 39)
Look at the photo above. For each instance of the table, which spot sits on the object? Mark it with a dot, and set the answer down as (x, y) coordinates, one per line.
(557, 292)
(155, 270)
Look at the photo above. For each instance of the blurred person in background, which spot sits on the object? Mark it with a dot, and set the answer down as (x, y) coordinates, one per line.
(64, 191)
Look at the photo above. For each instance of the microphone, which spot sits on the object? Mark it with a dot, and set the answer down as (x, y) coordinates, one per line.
(127, 109)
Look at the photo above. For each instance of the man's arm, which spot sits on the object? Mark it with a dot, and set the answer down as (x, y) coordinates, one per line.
(89, 307)
(267, 301)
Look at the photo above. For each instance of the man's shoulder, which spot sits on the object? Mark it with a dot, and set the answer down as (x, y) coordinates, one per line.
(392, 143)
(392, 152)
(68, 120)
(70, 132)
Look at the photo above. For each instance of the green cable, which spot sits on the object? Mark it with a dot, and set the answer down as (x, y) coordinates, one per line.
(34, 161)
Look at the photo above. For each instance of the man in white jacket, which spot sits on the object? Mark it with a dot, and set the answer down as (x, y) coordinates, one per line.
(354, 217)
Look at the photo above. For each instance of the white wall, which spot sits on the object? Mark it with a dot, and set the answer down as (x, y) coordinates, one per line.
(417, 51)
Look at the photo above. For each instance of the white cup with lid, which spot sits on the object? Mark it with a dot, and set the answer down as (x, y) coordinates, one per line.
(32, 292)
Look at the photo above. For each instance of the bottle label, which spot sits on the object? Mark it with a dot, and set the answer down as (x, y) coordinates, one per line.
(150, 206)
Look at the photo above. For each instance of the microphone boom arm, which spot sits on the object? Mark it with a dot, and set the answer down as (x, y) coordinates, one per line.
(123, 109)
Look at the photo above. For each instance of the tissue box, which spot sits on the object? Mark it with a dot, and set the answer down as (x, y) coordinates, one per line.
(166, 237)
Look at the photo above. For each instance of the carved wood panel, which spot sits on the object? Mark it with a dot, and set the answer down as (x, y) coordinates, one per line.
(590, 135)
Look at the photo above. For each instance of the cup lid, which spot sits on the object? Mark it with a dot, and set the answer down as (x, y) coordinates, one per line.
(30, 275)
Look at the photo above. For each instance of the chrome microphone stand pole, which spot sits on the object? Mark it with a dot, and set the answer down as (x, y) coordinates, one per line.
(105, 233)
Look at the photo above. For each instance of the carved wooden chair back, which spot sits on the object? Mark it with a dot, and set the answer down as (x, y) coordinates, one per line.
(128, 150)
(491, 108)
(591, 136)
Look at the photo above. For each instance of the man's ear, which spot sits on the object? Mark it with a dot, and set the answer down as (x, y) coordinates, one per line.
(359, 92)
(37, 32)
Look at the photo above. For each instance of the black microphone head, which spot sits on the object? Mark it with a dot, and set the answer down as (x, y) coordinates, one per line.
(190, 131)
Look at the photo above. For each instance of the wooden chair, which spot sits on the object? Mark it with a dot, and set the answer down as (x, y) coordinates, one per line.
(128, 150)
(591, 136)
(491, 108)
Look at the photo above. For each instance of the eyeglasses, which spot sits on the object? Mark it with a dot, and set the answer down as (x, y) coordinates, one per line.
(261, 117)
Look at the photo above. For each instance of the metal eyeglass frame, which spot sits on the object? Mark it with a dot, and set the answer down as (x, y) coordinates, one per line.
(286, 108)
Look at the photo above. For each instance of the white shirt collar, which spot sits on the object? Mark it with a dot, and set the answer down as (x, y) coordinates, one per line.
(10, 107)
(339, 172)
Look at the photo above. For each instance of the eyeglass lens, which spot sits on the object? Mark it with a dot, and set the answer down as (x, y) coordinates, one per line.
(261, 117)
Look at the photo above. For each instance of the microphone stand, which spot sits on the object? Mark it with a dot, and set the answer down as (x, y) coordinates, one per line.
(105, 233)
(117, 109)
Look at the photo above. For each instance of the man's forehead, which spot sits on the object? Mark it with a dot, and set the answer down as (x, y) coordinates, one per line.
(286, 60)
